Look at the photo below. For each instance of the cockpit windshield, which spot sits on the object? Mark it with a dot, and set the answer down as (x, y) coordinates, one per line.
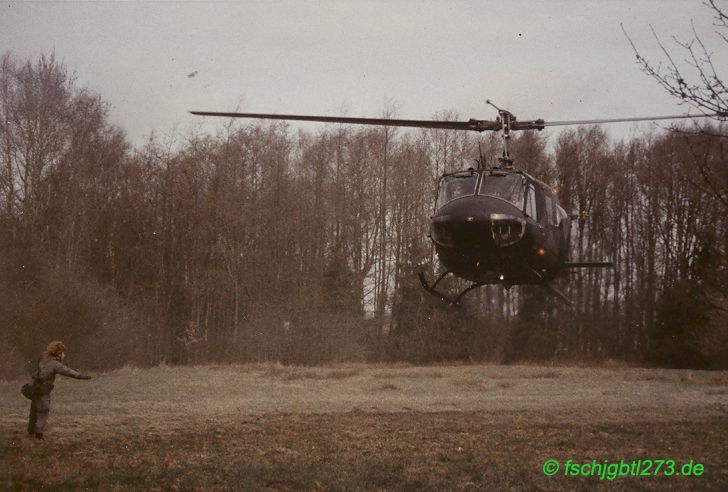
(456, 185)
(508, 187)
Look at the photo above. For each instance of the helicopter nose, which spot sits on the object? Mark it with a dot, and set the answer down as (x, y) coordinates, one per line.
(477, 222)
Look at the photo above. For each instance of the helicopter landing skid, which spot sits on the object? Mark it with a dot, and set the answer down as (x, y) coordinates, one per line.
(552, 289)
(432, 289)
(559, 294)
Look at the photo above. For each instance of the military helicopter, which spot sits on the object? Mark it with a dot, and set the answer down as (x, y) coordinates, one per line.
(491, 225)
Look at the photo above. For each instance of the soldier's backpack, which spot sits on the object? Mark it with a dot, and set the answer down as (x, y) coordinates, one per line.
(29, 390)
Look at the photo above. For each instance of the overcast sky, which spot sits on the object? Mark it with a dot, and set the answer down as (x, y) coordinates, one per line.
(554, 60)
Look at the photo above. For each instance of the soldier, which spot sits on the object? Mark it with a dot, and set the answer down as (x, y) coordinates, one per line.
(50, 364)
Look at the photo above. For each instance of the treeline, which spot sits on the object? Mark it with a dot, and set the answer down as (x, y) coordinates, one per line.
(261, 243)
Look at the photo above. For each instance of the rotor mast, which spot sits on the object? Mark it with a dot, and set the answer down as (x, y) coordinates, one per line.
(506, 119)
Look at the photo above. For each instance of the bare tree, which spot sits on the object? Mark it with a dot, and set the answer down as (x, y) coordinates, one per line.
(689, 71)
(695, 79)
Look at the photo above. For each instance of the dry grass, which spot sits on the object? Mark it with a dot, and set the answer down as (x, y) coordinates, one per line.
(288, 373)
(364, 428)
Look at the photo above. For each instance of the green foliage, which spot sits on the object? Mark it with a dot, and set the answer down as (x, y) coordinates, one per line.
(689, 328)
(673, 338)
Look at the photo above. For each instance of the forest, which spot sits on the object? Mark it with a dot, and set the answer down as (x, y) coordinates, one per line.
(264, 242)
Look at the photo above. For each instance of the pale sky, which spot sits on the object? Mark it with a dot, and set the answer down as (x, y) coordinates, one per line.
(153, 61)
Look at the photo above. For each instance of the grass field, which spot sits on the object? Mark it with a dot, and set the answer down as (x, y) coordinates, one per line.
(366, 427)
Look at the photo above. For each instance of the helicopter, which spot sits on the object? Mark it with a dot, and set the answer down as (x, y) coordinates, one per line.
(492, 225)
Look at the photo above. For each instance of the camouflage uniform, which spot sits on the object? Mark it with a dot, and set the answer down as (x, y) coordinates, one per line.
(44, 381)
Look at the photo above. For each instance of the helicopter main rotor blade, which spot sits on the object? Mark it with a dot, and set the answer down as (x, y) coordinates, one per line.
(474, 125)
(471, 124)
(619, 120)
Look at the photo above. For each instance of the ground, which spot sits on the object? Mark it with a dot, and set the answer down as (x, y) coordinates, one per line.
(370, 427)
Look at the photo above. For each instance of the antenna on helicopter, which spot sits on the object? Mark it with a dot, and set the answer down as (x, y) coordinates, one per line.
(481, 159)
(506, 119)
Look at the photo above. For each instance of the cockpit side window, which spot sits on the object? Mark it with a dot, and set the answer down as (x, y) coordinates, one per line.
(508, 187)
(531, 203)
(455, 186)
(548, 212)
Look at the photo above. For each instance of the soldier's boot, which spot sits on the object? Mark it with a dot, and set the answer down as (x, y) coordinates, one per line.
(39, 435)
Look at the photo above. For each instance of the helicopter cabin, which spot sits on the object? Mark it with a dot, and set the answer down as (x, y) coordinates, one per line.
(533, 197)
(540, 211)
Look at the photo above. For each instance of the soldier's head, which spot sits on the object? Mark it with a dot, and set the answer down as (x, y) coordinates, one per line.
(56, 350)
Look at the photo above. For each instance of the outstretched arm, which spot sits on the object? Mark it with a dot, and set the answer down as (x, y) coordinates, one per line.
(67, 371)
